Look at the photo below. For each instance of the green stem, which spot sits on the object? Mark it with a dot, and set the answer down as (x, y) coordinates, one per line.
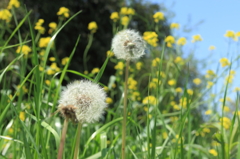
(63, 137)
(124, 123)
(76, 150)
(86, 51)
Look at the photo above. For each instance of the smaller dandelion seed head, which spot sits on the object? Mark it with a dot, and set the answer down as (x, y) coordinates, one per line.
(128, 44)
(82, 101)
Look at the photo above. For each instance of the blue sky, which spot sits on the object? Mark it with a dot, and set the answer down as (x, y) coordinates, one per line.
(211, 19)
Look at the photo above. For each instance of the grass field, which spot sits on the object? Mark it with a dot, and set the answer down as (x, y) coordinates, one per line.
(158, 106)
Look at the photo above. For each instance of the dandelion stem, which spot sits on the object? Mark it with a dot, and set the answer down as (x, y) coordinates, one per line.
(63, 137)
(76, 150)
(124, 124)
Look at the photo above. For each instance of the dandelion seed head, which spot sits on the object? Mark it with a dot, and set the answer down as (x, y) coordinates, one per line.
(82, 101)
(128, 45)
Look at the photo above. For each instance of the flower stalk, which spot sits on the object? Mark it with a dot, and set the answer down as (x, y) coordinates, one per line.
(63, 137)
(77, 144)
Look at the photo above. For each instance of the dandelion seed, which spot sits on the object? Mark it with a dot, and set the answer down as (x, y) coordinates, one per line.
(128, 45)
(82, 101)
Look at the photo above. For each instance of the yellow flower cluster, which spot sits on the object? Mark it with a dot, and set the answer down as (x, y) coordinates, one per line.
(95, 70)
(197, 81)
(114, 16)
(150, 100)
(151, 38)
(52, 27)
(158, 16)
(53, 69)
(23, 49)
(179, 60)
(109, 100)
(92, 26)
(196, 38)
(181, 41)
(231, 34)
(139, 65)
(127, 11)
(5, 15)
(172, 82)
(154, 83)
(119, 66)
(13, 3)
(226, 122)
(169, 40)
(224, 62)
(110, 53)
(155, 62)
(213, 152)
(174, 26)
(210, 74)
(125, 20)
(43, 42)
(183, 102)
(65, 60)
(39, 27)
(63, 11)
(211, 47)
(132, 84)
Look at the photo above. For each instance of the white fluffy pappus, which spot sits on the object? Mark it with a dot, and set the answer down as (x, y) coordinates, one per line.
(82, 101)
(128, 44)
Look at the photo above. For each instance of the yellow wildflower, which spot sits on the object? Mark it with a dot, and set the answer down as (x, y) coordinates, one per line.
(139, 65)
(213, 152)
(125, 20)
(208, 112)
(95, 70)
(23, 49)
(109, 100)
(39, 27)
(5, 15)
(206, 130)
(22, 116)
(151, 38)
(174, 26)
(230, 34)
(164, 135)
(65, 60)
(184, 102)
(196, 38)
(158, 16)
(226, 122)
(92, 26)
(224, 62)
(52, 59)
(237, 89)
(181, 41)
(52, 27)
(48, 82)
(179, 60)
(114, 16)
(178, 90)
(155, 62)
(209, 84)
(63, 11)
(211, 47)
(190, 91)
(119, 66)
(172, 82)
(43, 42)
(110, 53)
(130, 11)
(132, 84)
(124, 11)
(226, 109)
(210, 74)
(197, 81)
(169, 40)
(14, 3)
(150, 100)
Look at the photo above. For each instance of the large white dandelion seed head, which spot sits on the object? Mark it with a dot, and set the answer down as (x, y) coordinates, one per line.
(128, 44)
(82, 101)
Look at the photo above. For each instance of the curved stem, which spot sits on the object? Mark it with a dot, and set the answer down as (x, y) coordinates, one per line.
(63, 137)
